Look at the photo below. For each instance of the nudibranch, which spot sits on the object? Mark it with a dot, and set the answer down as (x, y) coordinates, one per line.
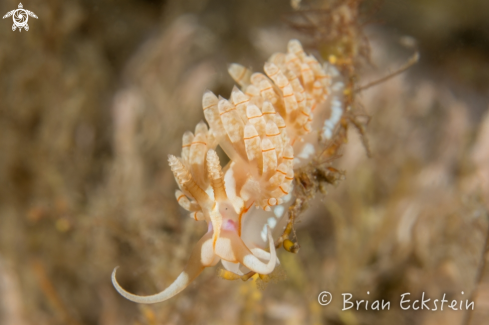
(258, 128)
(259, 173)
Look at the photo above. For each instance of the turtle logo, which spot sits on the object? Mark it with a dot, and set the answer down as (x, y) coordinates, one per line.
(20, 16)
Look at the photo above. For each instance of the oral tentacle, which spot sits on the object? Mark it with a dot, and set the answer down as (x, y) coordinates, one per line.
(261, 254)
(202, 256)
(254, 264)
(230, 247)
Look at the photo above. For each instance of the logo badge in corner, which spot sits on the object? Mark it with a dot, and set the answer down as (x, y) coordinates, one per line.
(20, 17)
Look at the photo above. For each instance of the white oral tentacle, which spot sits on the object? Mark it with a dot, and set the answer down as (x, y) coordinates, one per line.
(202, 256)
(260, 253)
(254, 264)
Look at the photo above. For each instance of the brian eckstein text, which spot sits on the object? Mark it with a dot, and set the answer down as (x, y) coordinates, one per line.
(406, 302)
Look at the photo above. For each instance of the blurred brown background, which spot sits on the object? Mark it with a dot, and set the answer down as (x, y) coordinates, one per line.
(96, 95)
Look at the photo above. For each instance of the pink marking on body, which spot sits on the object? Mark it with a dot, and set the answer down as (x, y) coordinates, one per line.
(230, 225)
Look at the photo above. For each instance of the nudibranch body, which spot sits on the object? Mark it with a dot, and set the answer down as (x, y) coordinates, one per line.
(258, 128)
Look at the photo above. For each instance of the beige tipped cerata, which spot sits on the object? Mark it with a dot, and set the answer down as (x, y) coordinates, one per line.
(216, 176)
(240, 74)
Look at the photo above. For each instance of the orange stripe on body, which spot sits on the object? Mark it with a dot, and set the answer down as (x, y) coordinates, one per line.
(272, 135)
(229, 110)
(249, 118)
(251, 137)
(243, 211)
(244, 101)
